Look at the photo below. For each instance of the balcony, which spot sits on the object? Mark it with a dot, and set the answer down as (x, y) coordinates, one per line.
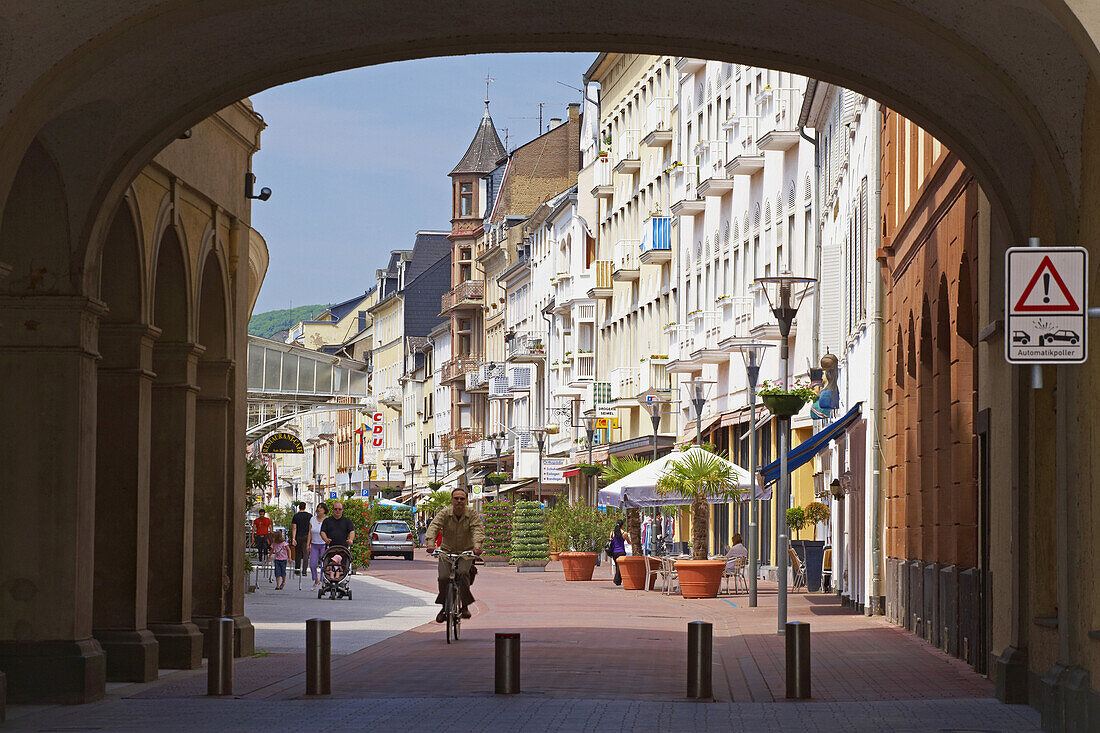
(603, 287)
(525, 346)
(326, 429)
(626, 153)
(626, 260)
(584, 312)
(390, 397)
(584, 367)
(689, 202)
(746, 158)
(690, 66)
(603, 187)
(653, 375)
(624, 383)
(656, 246)
(779, 110)
(458, 367)
(657, 125)
(457, 439)
(467, 295)
(778, 140)
(735, 316)
(563, 292)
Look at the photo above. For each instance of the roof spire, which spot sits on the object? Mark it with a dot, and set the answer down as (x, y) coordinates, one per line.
(488, 80)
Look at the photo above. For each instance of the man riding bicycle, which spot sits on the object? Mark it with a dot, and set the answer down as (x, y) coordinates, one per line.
(462, 531)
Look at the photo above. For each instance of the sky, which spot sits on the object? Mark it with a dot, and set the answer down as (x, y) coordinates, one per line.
(358, 161)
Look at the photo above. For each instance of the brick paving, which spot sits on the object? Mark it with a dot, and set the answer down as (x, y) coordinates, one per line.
(594, 657)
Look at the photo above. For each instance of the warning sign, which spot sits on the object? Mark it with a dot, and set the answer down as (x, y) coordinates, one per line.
(1046, 297)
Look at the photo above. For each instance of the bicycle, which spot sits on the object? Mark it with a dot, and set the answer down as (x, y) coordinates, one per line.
(452, 608)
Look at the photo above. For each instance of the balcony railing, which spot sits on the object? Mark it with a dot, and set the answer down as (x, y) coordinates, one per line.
(460, 366)
(657, 115)
(389, 396)
(626, 254)
(563, 289)
(603, 273)
(624, 383)
(627, 147)
(657, 234)
(526, 344)
(778, 108)
(584, 366)
(460, 438)
(467, 293)
(736, 316)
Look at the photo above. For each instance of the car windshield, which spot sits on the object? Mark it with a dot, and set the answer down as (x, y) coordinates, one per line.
(391, 527)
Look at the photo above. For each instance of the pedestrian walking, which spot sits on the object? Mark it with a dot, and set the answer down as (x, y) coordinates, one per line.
(261, 527)
(617, 543)
(421, 529)
(316, 542)
(300, 538)
(280, 553)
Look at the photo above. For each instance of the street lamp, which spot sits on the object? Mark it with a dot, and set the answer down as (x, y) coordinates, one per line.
(465, 469)
(752, 352)
(784, 303)
(388, 464)
(412, 472)
(436, 453)
(498, 446)
(590, 422)
(697, 388)
(540, 441)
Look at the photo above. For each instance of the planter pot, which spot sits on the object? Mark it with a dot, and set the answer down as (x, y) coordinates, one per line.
(700, 578)
(633, 570)
(812, 553)
(783, 405)
(554, 557)
(578, 565)
(495, 561)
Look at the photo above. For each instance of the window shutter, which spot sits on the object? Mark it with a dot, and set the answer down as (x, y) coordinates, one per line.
(831, 291)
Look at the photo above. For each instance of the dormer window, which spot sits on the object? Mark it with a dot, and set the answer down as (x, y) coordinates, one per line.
(466, 199)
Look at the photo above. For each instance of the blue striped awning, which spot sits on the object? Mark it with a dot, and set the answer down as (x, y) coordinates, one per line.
(806, 450)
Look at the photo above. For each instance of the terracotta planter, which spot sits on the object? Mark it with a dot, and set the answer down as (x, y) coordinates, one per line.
(700, 578)
(633, 570)
(554, 557)
(578, 565)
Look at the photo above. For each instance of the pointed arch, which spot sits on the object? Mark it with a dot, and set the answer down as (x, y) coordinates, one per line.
(172, 288)
(965, 312)
(122, 269)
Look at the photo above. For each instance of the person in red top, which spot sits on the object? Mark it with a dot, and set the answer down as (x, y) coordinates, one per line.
(261, 526)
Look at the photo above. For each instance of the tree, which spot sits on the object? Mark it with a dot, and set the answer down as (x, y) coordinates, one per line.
(699, 476)
(435, 501)
(256, 480)
(796, 520)
(616, 469)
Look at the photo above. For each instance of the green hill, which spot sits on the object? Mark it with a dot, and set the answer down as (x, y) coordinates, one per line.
(269, 323)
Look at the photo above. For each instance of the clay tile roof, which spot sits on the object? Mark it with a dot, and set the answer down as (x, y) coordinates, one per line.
(485, 151)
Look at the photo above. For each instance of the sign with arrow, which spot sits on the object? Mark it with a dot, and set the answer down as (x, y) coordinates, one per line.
(1046, 302)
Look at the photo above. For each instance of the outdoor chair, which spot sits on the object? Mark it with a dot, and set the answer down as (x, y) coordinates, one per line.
(652, 571)
(668, 572)
(798, 570)
(736, 575)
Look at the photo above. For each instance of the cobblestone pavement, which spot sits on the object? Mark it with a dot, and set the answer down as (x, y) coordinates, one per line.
(593, 657)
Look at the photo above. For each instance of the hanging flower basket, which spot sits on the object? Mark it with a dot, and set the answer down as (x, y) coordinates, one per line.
(783, 405)
(496, 479)
(590, 469)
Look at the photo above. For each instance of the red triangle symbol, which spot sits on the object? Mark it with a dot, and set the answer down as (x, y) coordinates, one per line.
(1070, 306)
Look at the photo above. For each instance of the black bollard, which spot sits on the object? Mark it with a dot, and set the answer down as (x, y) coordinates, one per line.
(798, 660)
(507, 664)
(219, 665)
(700, 635)
(318, 656)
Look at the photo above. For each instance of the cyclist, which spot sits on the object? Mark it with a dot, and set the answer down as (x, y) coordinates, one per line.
(462, 531)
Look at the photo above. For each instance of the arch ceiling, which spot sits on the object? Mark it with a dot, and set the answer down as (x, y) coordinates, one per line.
(105, 85)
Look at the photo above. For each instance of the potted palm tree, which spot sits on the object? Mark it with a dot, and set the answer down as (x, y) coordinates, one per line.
(699, 475)
(633, 568)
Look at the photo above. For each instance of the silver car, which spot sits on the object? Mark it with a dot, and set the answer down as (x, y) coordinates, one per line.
(391, 537)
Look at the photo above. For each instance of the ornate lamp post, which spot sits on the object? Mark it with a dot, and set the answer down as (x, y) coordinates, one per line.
(697, 389)
(388, 464)
(436, 452)
(412, 472)
(590, 422)
(784, 303)
(540, 441)
(752, 352)
(498, 446)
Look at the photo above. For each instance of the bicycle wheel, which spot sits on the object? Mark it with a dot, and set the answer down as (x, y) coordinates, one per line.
(456, 614)
(448, 605)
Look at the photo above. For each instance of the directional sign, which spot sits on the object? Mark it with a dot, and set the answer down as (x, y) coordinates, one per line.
(1046, 302)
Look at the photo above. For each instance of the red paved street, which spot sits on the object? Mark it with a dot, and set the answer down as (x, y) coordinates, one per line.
(593, 640)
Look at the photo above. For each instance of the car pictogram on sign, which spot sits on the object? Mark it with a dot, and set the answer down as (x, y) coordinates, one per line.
(1021, 337)
(1064, 335)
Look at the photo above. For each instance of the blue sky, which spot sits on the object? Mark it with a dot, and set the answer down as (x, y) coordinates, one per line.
(358, 161)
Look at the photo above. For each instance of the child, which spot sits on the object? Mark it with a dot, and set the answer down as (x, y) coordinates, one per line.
(280, 553)
(335, 568)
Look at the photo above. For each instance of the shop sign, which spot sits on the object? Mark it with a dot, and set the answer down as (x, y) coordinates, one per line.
(282, 443)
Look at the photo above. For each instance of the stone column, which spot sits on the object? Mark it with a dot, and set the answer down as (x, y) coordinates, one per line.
(171, 495)
(48, 454)
(210, 580)
(122, 502)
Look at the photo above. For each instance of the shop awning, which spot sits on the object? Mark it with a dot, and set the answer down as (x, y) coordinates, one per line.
(806, 450)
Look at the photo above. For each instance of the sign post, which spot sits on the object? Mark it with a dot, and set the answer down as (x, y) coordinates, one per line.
(1046, 305)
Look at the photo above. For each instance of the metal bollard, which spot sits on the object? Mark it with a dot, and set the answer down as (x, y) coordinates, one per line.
(318, 656)
(219, 665)
(700, 636)
(507, 664)
(798, 660)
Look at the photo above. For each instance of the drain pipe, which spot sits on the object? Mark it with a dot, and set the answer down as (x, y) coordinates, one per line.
(816, 336)
(877, 606)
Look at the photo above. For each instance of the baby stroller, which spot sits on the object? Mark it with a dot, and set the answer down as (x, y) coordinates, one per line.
(335, 568)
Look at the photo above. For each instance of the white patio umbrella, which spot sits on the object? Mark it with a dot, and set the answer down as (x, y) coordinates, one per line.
(390, 502)
(639, 489)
